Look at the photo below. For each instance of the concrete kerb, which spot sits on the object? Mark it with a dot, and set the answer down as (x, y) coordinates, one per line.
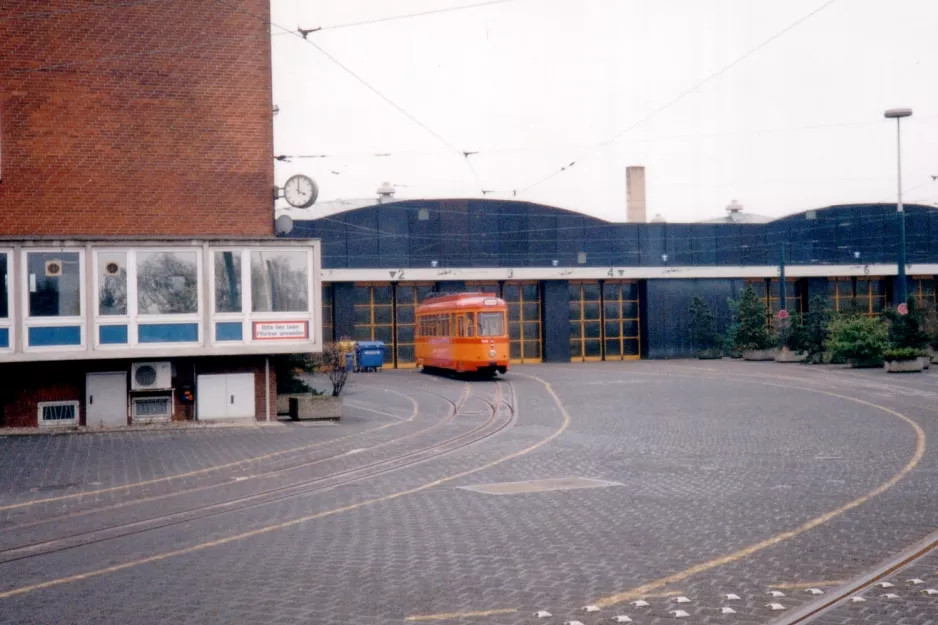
(174, 426)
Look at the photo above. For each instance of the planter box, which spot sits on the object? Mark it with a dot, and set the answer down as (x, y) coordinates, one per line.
(904, 366)
(786, 355)
(709, 354)
(926, 361)
(758, 354)
(315, 407)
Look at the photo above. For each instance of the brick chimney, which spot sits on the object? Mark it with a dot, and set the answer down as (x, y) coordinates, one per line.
(635, 195)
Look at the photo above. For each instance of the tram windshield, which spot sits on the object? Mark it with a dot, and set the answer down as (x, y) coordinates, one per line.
(491, 324)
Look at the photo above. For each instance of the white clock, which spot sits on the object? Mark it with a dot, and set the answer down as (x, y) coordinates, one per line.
(300, 191)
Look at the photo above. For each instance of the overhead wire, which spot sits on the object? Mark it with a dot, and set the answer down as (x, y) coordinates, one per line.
(685, 93)
(364, 83)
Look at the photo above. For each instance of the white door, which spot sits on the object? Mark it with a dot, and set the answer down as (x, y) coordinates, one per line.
(240, 395)
(211, 397)
(225, 396)
(106, 399)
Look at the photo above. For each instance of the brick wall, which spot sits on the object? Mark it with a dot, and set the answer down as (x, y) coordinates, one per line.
(143, 118)
(24, 385)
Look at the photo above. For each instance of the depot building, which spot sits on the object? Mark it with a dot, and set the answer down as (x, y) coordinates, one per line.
(584, 289)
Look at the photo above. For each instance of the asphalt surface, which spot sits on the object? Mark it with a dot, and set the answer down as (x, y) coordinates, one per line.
(715, 478)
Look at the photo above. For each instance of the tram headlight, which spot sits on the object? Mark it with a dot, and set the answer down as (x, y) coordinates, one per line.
(492, 353)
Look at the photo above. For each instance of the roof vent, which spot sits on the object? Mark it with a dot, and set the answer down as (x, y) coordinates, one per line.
(658, 219)
(385, 192)
(734, 208)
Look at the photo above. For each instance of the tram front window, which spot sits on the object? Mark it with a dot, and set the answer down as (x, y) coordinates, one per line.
(491, 324)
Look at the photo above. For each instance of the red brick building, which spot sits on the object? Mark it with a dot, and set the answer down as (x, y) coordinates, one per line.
(138, 261)
(135, 118)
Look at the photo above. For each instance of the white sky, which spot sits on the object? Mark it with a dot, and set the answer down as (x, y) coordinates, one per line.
(535, 84)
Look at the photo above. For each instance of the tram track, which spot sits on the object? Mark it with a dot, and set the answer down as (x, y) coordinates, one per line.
(491, 427)
(257, 476)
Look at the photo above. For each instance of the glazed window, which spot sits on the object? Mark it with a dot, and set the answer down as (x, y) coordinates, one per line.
(4, 286)
(167, 283)
(470, 324)
(491, 324)
(112, 283)
(228, 282)
(54, 284)
(280, 281)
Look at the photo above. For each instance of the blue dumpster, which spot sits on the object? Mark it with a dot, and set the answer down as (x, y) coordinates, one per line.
(369, 355)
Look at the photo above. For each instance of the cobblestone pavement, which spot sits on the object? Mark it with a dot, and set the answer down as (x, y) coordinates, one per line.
(910, 595)
(724, 478)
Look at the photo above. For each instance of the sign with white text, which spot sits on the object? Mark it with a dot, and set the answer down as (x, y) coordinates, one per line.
(281, 330)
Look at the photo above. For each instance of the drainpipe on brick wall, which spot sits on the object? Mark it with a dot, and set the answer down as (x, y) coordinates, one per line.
(267, 386)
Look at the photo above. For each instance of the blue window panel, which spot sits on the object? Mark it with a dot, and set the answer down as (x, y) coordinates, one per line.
(168, 333)
(112, 335)
(54, 336)
(229, 331)
(4, 337)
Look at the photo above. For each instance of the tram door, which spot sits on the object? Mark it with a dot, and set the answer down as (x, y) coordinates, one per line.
(373, 315)
(407, 298)
(604, 320)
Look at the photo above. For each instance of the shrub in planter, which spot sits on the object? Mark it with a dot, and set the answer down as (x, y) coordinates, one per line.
(816, 327)
(859, 340)
(906, 330)
(703, 333)
(332, 361)
(904, 360)
(902, 353)
(751, 332)
(791, 341)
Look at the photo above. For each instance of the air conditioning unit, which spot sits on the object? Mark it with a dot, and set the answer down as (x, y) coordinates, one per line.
(148, 376)
(53, 268)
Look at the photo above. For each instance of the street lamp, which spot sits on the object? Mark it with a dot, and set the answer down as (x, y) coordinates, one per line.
(898, 114)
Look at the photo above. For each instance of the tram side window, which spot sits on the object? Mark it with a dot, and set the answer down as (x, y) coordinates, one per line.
(461, 325)
(491, 324)
(470, 324)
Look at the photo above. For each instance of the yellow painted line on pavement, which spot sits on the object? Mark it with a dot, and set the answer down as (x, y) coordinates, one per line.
(456, 615)
(312, 517)
(920, 441)
(799, 585)
(219, 467)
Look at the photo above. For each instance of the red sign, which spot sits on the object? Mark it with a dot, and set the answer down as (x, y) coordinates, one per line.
(783, 314)
(902, 309)
(280, 330)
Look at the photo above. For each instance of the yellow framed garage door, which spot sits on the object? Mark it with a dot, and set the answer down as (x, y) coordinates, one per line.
(585, 321)
(374, 315)
(524, 321)
(621, 335)
(604, 320)
(407, 297)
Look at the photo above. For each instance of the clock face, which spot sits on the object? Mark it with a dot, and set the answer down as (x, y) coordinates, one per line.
(300, 191)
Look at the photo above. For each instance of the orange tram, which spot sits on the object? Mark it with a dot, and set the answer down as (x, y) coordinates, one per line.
(464, 332)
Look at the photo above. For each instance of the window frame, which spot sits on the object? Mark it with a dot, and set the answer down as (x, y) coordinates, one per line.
(133, 318)
(247, 316)
(7, 322)
(44, 404)
(27, 321)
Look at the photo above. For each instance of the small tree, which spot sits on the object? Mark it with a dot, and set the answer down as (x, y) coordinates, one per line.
(751, 330)
(905, 331)
(930, 325)
(860, 340)
(703, 334)
(791, 334)
(332, 361)
(287, 368)
(817, 331)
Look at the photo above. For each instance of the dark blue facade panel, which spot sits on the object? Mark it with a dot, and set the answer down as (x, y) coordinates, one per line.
(493, 233)
(667, 316)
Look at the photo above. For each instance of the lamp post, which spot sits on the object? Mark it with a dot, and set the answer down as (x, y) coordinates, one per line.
(898, 114)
